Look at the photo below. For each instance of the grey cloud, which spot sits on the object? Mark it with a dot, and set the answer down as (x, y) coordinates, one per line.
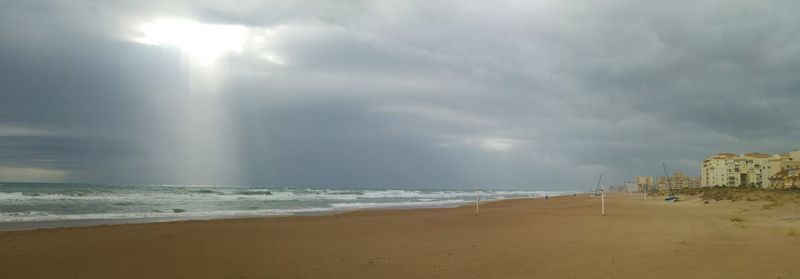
(406, 94)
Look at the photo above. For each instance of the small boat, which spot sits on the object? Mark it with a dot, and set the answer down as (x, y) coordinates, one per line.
(672, 197)
(598, 190)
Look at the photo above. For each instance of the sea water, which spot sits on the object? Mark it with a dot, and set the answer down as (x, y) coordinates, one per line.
(41, 202)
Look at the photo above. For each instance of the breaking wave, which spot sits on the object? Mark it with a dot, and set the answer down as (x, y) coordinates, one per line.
(23, 202)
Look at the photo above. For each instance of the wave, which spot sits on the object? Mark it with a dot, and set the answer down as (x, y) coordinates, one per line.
(21, 203)
(259, 194)
(33, 216)
(363, 205)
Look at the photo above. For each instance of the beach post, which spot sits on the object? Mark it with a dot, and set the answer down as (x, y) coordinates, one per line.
(603, 201)
(645, 192)
(477, 199)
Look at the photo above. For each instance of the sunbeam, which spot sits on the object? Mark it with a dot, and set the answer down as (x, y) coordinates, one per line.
(203, 43)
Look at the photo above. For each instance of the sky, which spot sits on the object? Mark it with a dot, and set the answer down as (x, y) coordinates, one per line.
(391, 94)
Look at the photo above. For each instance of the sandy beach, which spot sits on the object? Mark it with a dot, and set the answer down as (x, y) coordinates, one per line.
(562, 237)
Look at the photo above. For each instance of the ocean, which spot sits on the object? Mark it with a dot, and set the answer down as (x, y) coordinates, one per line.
(32, 205)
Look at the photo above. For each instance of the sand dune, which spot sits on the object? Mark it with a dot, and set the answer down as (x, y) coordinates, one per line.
(561, 237)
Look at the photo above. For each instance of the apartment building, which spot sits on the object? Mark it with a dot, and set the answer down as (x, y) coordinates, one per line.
(678, 180)
(786, 178)
(643, 182)
(749, 169)
(783, 170)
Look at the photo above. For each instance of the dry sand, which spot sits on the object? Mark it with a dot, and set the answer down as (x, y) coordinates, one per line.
(561, 237)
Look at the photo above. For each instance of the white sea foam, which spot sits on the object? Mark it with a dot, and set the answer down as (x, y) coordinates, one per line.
(361, 205)
(22, 202)
(262, 195)
(46, 216)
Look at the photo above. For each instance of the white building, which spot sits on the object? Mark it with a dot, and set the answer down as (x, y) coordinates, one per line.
(749, 169)
(678, 180)
(644, 182)
(783, 165)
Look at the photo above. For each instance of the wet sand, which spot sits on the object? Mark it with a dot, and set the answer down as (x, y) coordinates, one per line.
(562, 237)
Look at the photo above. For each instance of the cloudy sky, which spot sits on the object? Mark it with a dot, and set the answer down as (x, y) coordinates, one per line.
(437, 94)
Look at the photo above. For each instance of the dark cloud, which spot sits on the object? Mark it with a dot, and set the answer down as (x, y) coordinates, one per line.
(547, 94)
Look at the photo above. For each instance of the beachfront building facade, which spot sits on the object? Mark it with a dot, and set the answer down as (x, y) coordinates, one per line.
(786, 178)
(714, 170)
(728, 169)
(678, 180)
(749, 169)
(783, 170)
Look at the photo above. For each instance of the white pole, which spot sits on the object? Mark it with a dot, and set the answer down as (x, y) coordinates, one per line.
(645, 192)
(477, 199)
(603, 200)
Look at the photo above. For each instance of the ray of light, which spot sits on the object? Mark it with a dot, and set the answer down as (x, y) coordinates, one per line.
(203, 43)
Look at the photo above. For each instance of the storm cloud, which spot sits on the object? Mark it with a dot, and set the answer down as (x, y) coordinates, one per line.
(402, 94)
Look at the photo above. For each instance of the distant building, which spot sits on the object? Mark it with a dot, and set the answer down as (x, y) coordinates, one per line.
(749, 169)
(643, 182)
(631, 186)
(678, 180)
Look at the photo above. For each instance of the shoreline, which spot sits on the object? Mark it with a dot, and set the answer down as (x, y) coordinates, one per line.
(561, 237)
(83, 223)
(31, 206)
